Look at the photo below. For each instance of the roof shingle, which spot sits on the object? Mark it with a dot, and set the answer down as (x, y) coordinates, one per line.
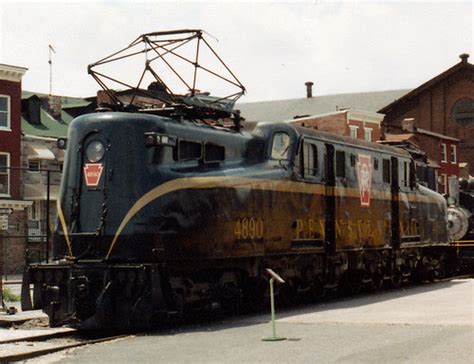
(282, 110)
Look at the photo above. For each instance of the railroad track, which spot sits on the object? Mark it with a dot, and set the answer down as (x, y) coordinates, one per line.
(31, 347)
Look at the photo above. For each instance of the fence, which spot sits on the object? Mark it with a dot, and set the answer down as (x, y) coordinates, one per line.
(25, 235)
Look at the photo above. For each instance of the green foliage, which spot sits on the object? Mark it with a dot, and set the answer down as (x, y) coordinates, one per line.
(9, 296)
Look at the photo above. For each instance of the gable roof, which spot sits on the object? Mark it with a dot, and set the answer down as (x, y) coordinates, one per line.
(282, 110)
(432, 82)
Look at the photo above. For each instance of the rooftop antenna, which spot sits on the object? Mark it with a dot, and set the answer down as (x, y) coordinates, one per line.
(51, 49)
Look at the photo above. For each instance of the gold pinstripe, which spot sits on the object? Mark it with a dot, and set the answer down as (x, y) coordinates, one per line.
(240, 183)
(210, 182)
(62, 220)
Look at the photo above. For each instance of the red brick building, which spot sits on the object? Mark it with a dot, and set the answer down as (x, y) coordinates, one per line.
(359, 124)
(10, 129)
(444, 106)
(442, 152)
(12, 226)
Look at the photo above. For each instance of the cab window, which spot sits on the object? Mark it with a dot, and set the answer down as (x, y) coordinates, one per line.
(310, 155)
(280, 145)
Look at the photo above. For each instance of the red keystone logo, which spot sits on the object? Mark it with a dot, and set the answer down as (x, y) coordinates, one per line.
(92, 173)
(364, 174)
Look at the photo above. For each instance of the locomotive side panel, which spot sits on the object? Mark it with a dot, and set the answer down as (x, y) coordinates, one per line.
(243, 217)
(363, 210)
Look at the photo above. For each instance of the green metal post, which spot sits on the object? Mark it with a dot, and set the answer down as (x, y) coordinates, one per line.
(272, 307)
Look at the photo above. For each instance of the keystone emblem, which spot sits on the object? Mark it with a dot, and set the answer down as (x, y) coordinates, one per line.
(364, 174)
(92, 173)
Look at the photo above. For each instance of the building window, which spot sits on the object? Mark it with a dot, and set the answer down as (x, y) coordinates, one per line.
(454, 158)
(443, 152)
(35, 211)
(353, 131)
(462, 112)
(444, 183)
(4, 112)
(368, 134)
(4, 174)
(34, 165)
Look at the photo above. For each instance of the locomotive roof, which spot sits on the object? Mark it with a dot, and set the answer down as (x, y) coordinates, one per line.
(249, 131)
(335, 138)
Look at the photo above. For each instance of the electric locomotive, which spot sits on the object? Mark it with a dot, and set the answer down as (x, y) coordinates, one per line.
(157, 215)
(162, 212)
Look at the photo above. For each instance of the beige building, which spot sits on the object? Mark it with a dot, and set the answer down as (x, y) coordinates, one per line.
(41, 161)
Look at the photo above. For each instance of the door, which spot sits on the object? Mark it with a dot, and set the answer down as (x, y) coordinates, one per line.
(395, 203)
(330, 218)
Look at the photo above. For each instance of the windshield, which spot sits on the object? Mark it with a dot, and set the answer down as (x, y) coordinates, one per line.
(280, 145)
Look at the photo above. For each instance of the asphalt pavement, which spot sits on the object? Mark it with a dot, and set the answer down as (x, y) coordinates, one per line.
(432, 323)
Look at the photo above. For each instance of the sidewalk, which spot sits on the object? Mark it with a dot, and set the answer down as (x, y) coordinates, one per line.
(13, 283)
(12, 279)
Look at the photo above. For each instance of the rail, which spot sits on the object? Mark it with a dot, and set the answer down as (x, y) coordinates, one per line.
(54, 342)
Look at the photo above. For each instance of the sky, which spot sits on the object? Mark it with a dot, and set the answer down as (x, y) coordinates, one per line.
(273, 47)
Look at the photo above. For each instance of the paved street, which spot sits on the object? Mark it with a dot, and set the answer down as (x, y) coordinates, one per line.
(425, 324)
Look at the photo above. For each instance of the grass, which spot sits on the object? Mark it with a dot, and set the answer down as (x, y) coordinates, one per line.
(9, 296)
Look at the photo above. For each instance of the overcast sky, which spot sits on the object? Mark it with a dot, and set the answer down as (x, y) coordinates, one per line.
(273, 47)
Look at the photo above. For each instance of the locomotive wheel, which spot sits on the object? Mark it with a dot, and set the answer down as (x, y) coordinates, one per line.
(378, 280)
(178, 317)
(318, 291)
(230, 297)
(375, 281)
(255, 294)
(140, 315)
(419, 273)
(288, 293)
(37, 296)
(396, 277)
(352, 283)
(441, 268)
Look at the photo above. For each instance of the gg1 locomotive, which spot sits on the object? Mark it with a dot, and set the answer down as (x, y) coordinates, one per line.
(158, 216)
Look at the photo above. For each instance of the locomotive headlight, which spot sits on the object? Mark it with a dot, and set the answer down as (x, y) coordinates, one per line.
(164, 139)
(95, 151)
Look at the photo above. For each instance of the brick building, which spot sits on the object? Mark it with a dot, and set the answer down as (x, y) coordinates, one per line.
(12, 231)
(357, 124)
(441, 153)
(444, 106)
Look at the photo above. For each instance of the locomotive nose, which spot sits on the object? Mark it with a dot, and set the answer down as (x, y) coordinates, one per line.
(93, 185)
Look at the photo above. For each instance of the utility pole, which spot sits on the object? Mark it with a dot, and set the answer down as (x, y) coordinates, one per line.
(51, 50)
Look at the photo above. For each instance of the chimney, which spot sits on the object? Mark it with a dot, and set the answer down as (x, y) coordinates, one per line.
(408, 125)
(309, 89)
(53, 105)
(464, 57)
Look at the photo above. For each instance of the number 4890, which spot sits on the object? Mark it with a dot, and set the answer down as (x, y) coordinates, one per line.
(248, 228)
